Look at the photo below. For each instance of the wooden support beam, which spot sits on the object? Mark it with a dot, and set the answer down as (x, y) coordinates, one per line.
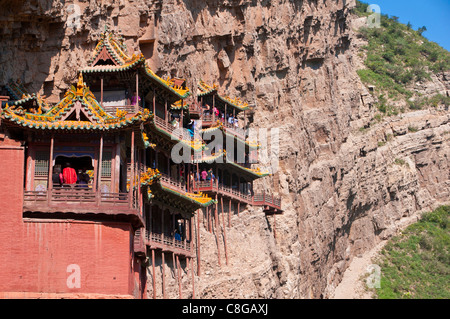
(131, 192)
(153, 274)
(217, 230)
(274, 226)
(163, 265)
(229, 213)
(198, 244)
(136, 107)
(50, 163)
(224, 232)
(179, 277)
(193, 277)
(154, 102)
(101, 91)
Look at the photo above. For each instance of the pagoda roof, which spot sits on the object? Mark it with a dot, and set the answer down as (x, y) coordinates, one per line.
(79, 102)
(111, 48)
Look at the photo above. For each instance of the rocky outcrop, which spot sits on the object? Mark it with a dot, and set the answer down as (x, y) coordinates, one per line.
(346, 180)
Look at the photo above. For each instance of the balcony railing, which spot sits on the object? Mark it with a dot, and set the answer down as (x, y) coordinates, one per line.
(167, 242)
(79, 200)
(172, 130)
(258, 199)
(263, 199)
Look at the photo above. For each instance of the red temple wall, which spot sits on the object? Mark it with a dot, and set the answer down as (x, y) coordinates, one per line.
(36, 254)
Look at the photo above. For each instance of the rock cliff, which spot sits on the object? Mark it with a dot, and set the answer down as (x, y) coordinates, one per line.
(345, 184)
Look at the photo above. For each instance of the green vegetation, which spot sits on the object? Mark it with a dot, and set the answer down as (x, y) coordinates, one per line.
(398, 56)
(416, 264)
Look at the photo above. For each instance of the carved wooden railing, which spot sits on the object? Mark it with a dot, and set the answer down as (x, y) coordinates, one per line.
(179, 133)
(75, 195)
(167, 241)
(131, 109)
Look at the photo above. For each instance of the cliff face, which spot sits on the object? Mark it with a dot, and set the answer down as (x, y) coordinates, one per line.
(343, 187)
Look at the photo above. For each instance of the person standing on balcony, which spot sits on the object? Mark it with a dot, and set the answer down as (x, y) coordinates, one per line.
(82, 178)
(204, 174)
(69, 175)
(135, 99)
(57, 177)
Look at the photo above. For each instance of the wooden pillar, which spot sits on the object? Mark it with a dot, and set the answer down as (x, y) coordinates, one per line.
(239, 207)
(162, 225)
(193, 277)
(50, 164)
(99, 169)
(165, 112)
(163, 265)
(182, 115)
(136, 107)
(179, 277)
(50, 170)
(229, 213)
(217, 230)
(214, 105)
(224, 232)
(198, 244)
(274, 226)
(154, 278)
(154, 102)
(101, 91)
(131, 192)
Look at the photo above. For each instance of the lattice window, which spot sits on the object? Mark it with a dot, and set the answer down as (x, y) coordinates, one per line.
(106, 164)
(41, 163)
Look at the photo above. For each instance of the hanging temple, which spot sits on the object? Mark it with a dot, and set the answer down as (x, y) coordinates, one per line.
(103, 156)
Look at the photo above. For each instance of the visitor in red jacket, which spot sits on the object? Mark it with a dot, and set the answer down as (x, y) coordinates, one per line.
(69, 174)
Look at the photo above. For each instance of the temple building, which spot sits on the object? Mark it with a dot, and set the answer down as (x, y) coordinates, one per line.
(93, 195)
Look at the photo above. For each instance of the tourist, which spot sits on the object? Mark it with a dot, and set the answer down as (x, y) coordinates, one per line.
(230, 119)
(69, 175)
(191, 181)
(204, 175)
(82, 178)
(57, 177)
(177, 235)
(135, 99)
(207, 109)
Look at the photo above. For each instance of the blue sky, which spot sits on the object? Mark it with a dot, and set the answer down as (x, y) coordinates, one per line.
(434, 14)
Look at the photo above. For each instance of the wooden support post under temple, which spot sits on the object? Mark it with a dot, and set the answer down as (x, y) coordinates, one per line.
(153, 275)
(193, 277)
(224, 232)
(163, 274)
(217, 230)
(179, 277)
(198, 244)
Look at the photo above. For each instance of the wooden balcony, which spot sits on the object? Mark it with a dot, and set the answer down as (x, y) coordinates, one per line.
(130, 109)
(168, 243)
(81, 201)
(172, 130)
(271, 205)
